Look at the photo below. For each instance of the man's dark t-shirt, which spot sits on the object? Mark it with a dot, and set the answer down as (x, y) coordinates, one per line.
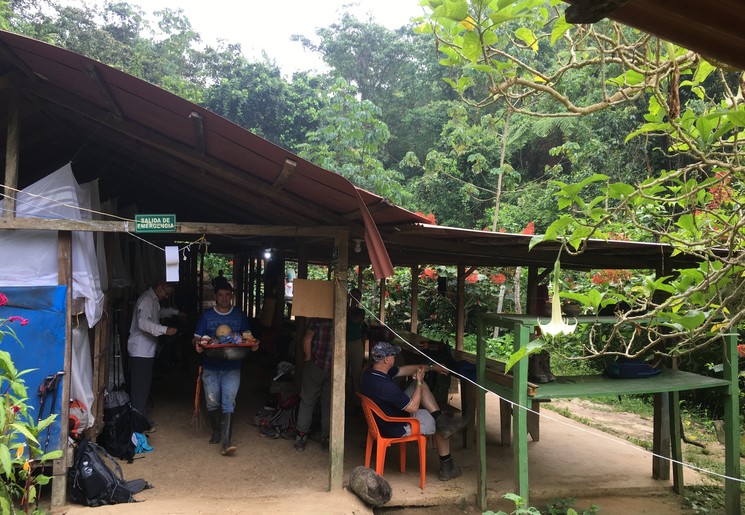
(391, 399)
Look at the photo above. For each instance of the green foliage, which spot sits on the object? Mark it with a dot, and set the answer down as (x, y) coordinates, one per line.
(521, 507)
(393, 69)
(20, 451)
(349, 140)
(565, 506)
(213, 263)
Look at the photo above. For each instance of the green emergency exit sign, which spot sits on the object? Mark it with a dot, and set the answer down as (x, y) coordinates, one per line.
(155, 223)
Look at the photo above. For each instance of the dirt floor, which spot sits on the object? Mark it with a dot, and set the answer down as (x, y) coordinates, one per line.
(269, 476)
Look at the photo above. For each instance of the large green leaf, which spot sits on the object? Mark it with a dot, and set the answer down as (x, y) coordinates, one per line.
(528, 37)
(559, 29)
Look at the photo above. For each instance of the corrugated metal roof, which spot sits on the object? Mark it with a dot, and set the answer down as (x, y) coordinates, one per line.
(713, 28)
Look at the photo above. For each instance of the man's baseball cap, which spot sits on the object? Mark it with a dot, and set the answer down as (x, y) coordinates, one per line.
(382, 349)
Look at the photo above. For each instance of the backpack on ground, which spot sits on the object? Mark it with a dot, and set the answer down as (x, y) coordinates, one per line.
(275, 423)
(95, 478)
(121, 421)
(80, 419)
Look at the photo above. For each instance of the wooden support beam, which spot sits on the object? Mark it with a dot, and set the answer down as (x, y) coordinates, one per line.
(100, 352)
(288, 170)
(59, 466)
(197, 122)
(414, 299)
(460, 306)
(103, 89)
(12, 149)
(339, 363)
(181, 227)
(381, 311)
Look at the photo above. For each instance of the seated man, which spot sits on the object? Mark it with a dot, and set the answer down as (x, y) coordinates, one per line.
(377, 384)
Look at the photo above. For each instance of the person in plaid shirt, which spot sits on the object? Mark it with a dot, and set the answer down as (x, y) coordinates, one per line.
(316, 384)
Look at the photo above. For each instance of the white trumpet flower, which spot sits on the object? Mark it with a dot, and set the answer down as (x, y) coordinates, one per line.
(558, 325)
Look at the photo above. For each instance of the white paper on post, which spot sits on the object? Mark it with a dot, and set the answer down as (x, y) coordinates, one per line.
(172, 263)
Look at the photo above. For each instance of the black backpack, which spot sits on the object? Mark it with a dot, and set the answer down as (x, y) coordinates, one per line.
(121, 420)
(91, 480)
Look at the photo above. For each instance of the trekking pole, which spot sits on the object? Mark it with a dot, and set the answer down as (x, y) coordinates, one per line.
(42, 392)
(53, 389)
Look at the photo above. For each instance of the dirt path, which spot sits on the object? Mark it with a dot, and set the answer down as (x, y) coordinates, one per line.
(269, 476)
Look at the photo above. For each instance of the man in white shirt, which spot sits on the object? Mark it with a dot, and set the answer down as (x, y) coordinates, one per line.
(143, 341)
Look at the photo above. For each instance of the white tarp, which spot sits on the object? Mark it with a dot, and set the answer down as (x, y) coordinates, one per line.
(29, 258)
(82, 371)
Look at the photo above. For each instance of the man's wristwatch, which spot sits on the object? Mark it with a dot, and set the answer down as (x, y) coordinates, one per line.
(419, 383)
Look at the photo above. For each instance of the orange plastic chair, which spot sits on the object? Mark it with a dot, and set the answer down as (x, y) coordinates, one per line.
(373, 434)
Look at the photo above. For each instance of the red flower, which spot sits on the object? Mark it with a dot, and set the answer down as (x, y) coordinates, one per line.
(471, 279)
(741, 350)
(529, 229)
(16, 318)
(497, 278)
(428, 273)
(430, 217)
(16, 409)
(3, 299)
(599, 279)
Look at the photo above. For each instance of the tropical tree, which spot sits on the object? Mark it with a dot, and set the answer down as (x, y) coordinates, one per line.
(396, 70)
(348, 141)
(692, 195)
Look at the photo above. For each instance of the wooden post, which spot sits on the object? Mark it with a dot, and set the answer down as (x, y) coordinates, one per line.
(661, 437)
(12, 148)
(64, 274)
(101, 353)
(381, 312)
(250, 286)
(238, 282)
(339, 363)
(732, 500)
(460, 307)
(414, 299)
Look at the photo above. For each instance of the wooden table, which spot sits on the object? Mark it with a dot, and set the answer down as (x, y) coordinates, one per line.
(666, 386)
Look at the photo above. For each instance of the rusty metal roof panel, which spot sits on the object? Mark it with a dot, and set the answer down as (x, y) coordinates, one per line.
(713, 28)
(145, 105)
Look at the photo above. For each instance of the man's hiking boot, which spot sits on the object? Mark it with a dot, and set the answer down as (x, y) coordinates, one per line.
(446, 426)
(300, 440)
(325, 443)
(449, 470)
(216, 426)
(289, 434)
(228, 449)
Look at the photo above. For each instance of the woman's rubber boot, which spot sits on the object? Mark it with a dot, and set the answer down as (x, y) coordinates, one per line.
(228, 449)
(214, 417)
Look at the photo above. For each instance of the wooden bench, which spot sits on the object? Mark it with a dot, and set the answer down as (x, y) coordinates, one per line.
(495, 374)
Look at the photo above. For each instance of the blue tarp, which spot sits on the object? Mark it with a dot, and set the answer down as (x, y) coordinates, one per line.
(41, 347)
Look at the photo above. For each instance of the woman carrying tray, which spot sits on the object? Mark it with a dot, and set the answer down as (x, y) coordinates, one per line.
(221, 374)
